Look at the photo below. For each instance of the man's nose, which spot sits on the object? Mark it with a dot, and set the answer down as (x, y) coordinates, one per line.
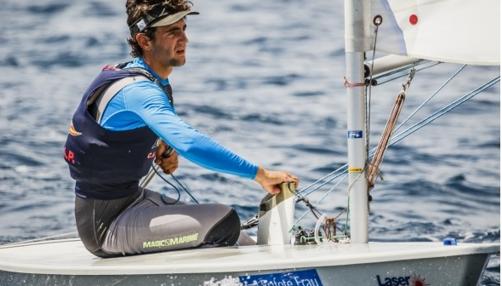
(184, 37)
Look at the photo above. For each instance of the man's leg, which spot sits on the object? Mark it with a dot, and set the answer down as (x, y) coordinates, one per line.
(153, 225)
(93, 218)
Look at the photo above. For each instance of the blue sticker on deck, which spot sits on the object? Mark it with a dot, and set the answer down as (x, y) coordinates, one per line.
(355, 134)
(294, 278)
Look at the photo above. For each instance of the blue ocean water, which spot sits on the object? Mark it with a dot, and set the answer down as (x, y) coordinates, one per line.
(264, 79)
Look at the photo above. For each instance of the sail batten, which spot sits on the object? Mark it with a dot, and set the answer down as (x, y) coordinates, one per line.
(456, 31)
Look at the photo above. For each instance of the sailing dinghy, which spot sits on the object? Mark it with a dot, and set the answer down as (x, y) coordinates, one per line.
(414, 29)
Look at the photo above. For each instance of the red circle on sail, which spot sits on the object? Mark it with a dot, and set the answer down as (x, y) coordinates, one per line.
(413, 19)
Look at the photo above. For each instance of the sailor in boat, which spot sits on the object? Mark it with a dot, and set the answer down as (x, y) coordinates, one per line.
(113, 140)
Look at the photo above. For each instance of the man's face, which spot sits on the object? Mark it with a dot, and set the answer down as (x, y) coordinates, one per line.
(169, 45)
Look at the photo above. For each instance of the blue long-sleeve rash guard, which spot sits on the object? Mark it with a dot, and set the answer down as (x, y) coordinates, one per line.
(144, 103)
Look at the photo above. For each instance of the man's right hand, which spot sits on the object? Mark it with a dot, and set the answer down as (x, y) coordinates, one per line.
(271, 180)
(167, 160)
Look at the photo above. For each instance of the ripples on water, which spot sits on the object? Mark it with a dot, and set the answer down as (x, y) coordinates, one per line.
(263, 78)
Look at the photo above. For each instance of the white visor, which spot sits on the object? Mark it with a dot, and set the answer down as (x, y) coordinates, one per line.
(171, 19)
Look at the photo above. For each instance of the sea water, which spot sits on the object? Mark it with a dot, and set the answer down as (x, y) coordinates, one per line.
(265, 79)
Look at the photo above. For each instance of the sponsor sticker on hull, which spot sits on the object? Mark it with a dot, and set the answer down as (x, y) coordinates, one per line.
(412, 280)
(294, 278)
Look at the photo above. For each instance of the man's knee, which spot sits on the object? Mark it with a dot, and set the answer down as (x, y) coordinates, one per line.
(226, 231)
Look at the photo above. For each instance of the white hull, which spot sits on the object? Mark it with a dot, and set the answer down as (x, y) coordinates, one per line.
(66, 262)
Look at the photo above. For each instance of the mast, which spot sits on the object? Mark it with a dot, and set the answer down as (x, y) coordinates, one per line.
(355, 11)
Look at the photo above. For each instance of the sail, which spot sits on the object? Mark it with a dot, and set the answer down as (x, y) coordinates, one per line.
(456, 31)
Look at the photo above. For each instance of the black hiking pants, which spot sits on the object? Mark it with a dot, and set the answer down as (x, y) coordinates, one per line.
(147, 222)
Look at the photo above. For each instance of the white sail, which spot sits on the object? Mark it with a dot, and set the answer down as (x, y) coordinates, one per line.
(456, 31)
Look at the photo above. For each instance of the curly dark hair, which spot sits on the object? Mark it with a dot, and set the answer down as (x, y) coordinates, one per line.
(137, 9)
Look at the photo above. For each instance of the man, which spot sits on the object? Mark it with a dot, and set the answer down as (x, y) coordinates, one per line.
(113, 140)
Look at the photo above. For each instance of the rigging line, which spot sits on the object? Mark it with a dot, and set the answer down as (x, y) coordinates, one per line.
(377, 20)
(151, 173)
(342, 169)
(442, 111)
(346, 210)
(306, 212)
(405, 74)
(330, 191)
(176, 188)
(329, 178)
(155, 169)
(439, 113)
(316, 189)
(430, 98)
(311, 207)
(184, 188)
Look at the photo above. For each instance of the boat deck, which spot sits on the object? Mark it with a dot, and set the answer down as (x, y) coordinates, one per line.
(69, 257)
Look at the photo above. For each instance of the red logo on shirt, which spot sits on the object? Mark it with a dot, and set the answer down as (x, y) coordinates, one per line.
(69, 156)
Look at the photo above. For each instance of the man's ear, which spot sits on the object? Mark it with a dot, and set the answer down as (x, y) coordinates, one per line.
(143, 41)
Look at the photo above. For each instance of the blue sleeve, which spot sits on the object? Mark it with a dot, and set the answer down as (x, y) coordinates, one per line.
(149, 102)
